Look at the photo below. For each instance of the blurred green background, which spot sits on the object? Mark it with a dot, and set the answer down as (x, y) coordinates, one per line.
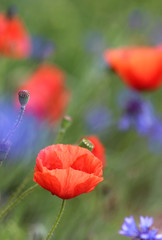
(133, 175)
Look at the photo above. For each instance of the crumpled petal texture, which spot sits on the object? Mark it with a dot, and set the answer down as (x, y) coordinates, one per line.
(138, 67)
(67, 171)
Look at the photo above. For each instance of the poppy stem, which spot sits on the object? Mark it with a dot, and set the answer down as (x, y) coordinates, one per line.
(57, 220)
(60, 137)
(20, 187)
(65, 124)
(18, 199)
(18, 121)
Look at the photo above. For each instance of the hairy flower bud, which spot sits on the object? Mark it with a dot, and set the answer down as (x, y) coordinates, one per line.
(23, 97)
(85, 143)
(66, 122)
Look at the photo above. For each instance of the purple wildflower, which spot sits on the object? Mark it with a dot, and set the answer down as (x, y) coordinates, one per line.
(24, 141)
(155, 136)
(98, 119)
(149, 235)
(94, 42)
(155, 34)
(137, 113)
(129, 229)
(146, 223)
(41, 48)
(137, 19)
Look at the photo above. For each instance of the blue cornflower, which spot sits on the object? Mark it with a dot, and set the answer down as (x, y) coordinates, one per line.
(137, 113)
(98, 119)
(155, 136)
(138, 19)
(150, 235)
(94, 42)
(146, 223)
(129, 229)
(41, 48)
(155, 34)
(28, 137)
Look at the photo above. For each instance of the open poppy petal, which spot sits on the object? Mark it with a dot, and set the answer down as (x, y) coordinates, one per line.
(67, 171)
(88, 165)
(67, 183)
(14, 39)
(49, 95)
(48, 182)
(98, 150)
(45, 155)
(139, 67)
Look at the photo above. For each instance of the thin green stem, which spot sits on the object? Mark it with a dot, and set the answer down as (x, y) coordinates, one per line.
(18, 121)
(63, 128)
(21, 186)
(65, 124)
(60, 137)
(5, 65)
(57, 220)
(18, 199)
(18, 190)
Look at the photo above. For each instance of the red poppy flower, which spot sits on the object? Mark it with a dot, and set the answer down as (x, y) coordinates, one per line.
(98, 150)
(14, 40)
(139, 67)
(67, 171)
(48, 95)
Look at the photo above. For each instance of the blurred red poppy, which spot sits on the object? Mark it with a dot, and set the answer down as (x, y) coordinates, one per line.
(14, 39)
(139, 67)
(48, 94)
(67, 171)
(98, 150)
